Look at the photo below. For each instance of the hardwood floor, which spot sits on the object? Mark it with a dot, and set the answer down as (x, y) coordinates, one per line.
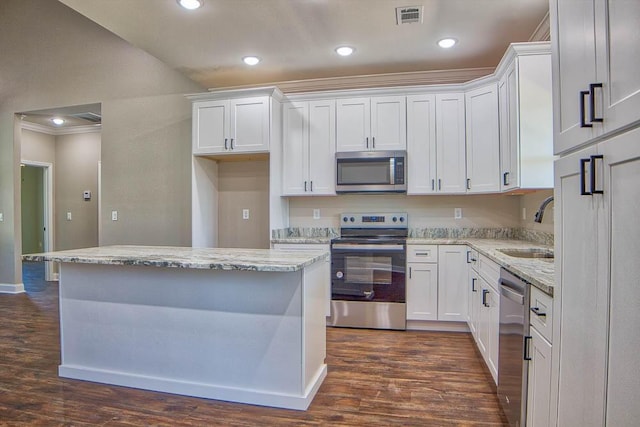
(376, 378)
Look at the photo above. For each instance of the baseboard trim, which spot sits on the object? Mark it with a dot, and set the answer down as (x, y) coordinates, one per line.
(15, 288)
(437, 326)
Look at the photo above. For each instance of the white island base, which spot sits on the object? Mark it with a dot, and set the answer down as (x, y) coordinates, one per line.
(253, 337)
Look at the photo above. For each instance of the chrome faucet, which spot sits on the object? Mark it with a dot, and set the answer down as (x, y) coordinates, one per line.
(538, 215)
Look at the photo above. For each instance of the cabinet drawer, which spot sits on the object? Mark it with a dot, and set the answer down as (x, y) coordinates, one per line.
(541, 312)
(422, 253)
(489, 270)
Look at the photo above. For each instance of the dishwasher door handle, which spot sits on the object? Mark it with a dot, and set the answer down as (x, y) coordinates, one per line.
(509, 293)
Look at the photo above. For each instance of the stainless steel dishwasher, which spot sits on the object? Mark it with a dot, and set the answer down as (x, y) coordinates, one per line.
(513, 347)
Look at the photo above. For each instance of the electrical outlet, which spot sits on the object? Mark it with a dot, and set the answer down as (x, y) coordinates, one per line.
(68, 216)
(245, 213)
(524, 213)
(114, 215)
(316, 214)
(457, 213)
(1, 217)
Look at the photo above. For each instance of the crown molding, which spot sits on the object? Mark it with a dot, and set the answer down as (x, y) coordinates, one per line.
(60, 131)
(542, 33)
(237, 92)
(416, 78)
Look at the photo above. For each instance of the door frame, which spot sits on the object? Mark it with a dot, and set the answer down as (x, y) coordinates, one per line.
(48, 243)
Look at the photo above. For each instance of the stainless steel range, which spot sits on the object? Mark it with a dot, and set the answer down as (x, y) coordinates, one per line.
(368, 271)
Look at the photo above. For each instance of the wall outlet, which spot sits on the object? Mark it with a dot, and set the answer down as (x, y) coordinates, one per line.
(1, 217)
(245, 213)
(68, 216)
(316, 214)
(114, 215)
(457, 213)
(524, 213)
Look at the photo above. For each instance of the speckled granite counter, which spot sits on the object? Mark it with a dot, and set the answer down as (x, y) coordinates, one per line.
(184, 257)
(302, 240)
(538, 272)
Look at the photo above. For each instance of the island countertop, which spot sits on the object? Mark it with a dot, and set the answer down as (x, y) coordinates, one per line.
(187, 257)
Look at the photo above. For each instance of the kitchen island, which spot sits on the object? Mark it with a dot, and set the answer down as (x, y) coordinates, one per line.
(241, 325)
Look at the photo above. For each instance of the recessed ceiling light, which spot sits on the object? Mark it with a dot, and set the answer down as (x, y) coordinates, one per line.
(251, 60)
(57, 121)
(447, 43)
(344, 50)
(191, 4)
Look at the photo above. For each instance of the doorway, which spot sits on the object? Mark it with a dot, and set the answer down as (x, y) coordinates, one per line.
(37, 210)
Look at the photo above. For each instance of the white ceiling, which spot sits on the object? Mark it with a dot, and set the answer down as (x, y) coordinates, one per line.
(296, 38)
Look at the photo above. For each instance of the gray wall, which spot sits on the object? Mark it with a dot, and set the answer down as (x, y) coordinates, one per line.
(52, 57)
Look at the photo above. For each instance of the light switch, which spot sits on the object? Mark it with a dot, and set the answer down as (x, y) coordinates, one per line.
(245, 213)
(68, 216)
(114, 215)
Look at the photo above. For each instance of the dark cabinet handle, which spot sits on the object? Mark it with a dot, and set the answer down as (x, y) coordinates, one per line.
(468, 257)
(433, 184)
(232, 143)
(468, 183)
(505, 181)
(592, 102)
(473, 284)
(484, 297)
(536, 311)
(439, 184)
(311, 186)
(409, 272)
(305, 186)
(367, 141)
(583, 124)
(527, 340)
(593, 174)
(583, 184)
(225, 143)
(373, 141)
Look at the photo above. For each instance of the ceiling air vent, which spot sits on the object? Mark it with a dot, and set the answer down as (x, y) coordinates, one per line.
(88, 116)
(408, 15)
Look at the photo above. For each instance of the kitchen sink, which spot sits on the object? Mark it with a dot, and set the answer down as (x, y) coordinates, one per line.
(529, 253)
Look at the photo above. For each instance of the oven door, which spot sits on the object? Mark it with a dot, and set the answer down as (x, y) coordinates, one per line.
(368, 272)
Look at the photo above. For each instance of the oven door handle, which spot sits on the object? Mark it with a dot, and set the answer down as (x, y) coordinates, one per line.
(364, 247)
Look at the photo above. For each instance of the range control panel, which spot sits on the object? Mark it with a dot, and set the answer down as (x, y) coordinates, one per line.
(374, 220)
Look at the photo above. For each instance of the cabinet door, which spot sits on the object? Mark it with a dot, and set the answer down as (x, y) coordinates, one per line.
(388, 123)
(493, 302)
(483, 143)
(450, 143)
(622, 203)
(618, 61)
(421, 144)
(295, 150)
(422, 292)
(249, 124)
(353, 124)
(538, 399)
(210, 127)
(322, 147)
(579, 303)
(508, 108)
(452, 282)
(474, 302)
(574, 68)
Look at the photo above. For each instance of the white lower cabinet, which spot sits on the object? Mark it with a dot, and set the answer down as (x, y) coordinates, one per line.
(539, 383)
(422, 291)
(452, 283)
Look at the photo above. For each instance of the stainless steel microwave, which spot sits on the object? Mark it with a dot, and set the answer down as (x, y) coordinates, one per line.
(371, 171)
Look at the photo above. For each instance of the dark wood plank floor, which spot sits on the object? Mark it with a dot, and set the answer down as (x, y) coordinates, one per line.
(376, 378)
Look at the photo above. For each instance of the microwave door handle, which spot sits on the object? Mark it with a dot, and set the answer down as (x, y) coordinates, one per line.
(392, 170)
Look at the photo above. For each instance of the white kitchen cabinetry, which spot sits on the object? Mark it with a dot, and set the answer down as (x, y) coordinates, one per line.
(452, 283)
(596, 297)
(483, 140)
(436, 144)
(309, 148)
(377, 123)
(539, 353)
(422, 282)
(231, 126)
(526, 118)
(595, 68)
(327, 269)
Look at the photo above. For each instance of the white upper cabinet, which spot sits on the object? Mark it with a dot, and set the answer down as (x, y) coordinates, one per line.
(450, 143)
(526, 118)
(421, 144)
(309, 148)
(595, 62)
(233, 122)
(377, 123)
(483, 143)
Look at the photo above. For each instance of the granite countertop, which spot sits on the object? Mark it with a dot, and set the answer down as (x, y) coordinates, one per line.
(186, 257)
(536, 271)
(302, 240)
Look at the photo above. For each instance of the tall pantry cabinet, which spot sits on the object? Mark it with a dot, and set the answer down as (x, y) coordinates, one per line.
(596, 59)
